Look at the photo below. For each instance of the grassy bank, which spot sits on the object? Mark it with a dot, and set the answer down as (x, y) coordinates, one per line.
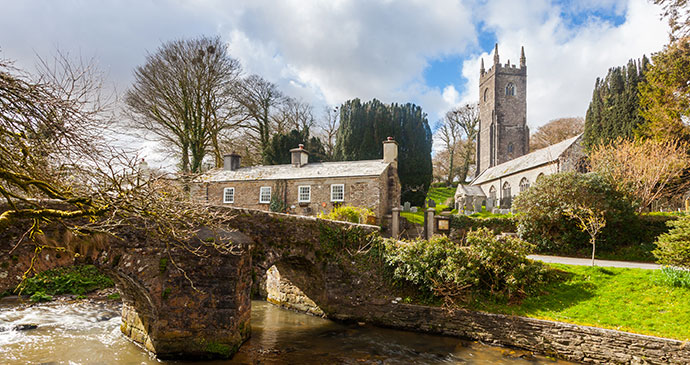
(632, 300)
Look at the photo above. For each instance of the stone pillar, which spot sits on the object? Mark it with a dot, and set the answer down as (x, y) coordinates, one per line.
(429, 223)
(395, 223)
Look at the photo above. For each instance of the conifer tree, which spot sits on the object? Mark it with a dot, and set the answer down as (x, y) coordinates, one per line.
(278, 150)
(364, 126)
(613, 112)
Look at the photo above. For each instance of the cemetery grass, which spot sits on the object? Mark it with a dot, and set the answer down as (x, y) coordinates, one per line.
(631, 300)
(439, 195)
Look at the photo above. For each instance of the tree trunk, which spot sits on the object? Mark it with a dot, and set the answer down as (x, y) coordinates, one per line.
(594, 247)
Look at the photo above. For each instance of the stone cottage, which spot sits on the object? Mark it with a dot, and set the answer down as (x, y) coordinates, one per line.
(305, 188)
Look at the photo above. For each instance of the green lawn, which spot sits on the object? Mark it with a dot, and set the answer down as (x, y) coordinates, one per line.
(632, 300)
(439, 196)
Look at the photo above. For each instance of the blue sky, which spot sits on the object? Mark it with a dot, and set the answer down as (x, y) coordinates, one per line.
(326, 52)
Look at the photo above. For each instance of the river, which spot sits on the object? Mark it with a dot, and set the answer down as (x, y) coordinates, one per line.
(87, 332)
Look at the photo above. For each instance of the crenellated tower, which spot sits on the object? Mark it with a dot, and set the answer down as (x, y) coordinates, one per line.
(503, 132)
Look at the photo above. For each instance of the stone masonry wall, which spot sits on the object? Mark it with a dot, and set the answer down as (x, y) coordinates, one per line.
(363, 191)
(282, 292)
(562, 340)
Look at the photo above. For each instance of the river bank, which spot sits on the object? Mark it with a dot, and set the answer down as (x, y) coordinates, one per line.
(82, 332)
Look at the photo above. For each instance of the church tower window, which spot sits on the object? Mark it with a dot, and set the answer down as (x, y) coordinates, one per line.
(510, 148)
(510, 89)
(486, 94)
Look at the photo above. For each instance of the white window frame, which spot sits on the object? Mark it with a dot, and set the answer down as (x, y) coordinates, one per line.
(342, 192)
(261, 195)
(307, 193)
(225, 195)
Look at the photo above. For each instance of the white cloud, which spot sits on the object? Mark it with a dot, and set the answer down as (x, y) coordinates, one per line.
(563, 63)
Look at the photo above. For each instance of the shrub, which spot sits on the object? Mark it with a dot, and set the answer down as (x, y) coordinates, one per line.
(66, 280)
(348, 213)
(39, 297)
(461, 224)
(486, 265)
(673, 248)
(542, 217)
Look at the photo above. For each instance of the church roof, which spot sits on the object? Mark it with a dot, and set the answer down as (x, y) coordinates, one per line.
(308, 171)
(526, 162)
(469, 190)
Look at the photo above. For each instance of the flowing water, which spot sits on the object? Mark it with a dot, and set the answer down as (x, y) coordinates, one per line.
(89, 333)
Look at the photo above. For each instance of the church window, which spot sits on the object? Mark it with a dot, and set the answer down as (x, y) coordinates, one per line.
(524, 184)
(540, 176)
(510, 148)
(507, 198)
(510, 89)
(492, 193)
(486, 93)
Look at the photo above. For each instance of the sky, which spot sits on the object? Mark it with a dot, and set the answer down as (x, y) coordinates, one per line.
(328, 51)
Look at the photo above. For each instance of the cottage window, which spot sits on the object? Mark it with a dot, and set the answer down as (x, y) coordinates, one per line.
(229, 195)
(304, 194)
(337, 192)
(510, 89)
(265, 195)
(524, 184)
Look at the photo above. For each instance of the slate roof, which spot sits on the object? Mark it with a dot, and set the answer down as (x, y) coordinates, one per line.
(308, 171)
(469, 190)
(526, 162)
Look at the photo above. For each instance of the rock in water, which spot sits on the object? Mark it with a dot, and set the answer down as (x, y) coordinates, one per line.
(25, 327)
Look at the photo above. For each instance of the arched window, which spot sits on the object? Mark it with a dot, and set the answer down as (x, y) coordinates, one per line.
(510, 89)
(510, 148)
(524, 184)
(486, 93)
(506, 197)
(492, 193)
(540, 176)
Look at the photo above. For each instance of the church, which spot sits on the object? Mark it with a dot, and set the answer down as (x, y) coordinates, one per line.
(504, 166)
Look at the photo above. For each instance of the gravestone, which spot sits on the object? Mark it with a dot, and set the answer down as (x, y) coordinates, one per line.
(413, 210)
(477, 205)
(489, 204)
(406, 207)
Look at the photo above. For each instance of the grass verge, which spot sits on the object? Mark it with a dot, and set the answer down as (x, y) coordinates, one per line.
(78, 280)
(632, 300)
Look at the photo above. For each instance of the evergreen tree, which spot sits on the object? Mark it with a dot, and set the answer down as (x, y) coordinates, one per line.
(364, 126)
(278, 150)
(613, 112)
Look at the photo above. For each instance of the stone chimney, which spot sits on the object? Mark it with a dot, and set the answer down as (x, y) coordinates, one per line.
(231, 162)
(390, 151)
(300, 156)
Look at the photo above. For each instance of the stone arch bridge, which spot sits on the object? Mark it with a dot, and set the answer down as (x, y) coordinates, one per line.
(180, 305)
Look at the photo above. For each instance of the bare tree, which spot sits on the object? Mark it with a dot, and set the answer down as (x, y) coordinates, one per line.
(590, 221)
(294, 114)
(328, 129)
(555, 131)
(449, 133)
(258, 99)
(645, 170)
(54, 167)
(183, 95)
(467, 118)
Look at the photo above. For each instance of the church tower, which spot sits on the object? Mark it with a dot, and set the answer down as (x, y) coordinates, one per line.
(503, 132)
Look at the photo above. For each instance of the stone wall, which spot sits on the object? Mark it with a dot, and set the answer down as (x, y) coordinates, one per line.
(558, 339)
(282, 292)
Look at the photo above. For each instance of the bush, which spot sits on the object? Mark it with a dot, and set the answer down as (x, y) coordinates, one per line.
(486, 265)
(66, 280)
(462, 224)
(673, 248)
(348, 213)
(542, 219)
